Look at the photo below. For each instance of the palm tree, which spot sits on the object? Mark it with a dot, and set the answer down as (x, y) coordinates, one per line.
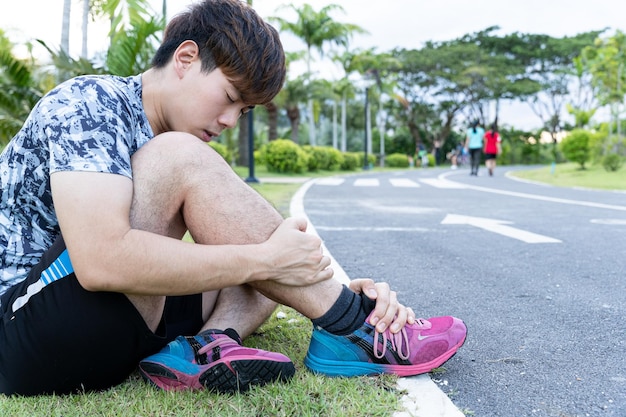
(19, 91)
(292, 95)
(134, 34)
(316, 28)
(374, 67)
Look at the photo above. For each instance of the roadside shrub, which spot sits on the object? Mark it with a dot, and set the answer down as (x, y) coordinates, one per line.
(350, 161)
(612, 162)
(576, 148)
(323, 157)
(317, 157)
(397, 160)
(284, 156)
(222, 150)
(431, 160)
(335, 159)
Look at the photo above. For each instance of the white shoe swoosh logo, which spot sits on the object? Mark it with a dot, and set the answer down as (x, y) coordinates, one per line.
(420, 337)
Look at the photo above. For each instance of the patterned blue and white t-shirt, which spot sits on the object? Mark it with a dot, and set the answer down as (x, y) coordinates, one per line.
(89, 123)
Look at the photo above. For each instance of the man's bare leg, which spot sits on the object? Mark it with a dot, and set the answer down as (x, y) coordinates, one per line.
(219, 208)
(180, 184)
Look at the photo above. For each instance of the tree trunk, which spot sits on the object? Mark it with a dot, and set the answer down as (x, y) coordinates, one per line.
(85, 25)
(344, 123)
(65, 29)
(242, 159)
(272, 120)
(312, 140)
(293, 113)
(335, 124)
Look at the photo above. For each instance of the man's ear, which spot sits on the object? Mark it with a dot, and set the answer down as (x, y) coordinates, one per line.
(186, 53)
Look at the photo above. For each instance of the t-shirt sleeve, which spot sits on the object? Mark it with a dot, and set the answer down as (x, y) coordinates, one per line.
(88, 128)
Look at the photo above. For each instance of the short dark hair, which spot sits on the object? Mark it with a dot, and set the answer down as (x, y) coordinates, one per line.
(232, 37)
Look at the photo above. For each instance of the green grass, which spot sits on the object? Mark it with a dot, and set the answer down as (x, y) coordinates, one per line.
(305, 395)
(570, 175)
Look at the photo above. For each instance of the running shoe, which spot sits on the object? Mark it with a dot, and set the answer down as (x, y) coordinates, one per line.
(418, 348)
(214, 360)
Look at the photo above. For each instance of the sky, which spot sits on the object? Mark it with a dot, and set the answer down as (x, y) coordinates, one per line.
(390, 23)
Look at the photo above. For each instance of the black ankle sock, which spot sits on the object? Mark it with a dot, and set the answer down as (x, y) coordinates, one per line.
(347, 314)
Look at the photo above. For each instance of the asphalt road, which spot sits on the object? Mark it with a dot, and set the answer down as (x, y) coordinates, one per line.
(538, 274)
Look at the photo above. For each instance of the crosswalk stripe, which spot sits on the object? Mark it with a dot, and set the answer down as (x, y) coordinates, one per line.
(366, 182)
(329, 181)
(403, 182)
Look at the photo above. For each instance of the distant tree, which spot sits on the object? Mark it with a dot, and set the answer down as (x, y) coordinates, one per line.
(606, 62)
(576, 147)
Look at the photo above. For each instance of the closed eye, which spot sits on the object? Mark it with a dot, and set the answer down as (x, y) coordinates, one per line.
(246, 110)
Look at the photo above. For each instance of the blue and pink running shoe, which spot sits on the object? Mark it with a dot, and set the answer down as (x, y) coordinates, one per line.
(418, 348)
(214, 360)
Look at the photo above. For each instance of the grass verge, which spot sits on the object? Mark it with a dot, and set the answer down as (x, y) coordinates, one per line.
(305, 395)
(570, 175)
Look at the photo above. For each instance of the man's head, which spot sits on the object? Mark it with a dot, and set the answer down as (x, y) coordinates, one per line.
(230, 36)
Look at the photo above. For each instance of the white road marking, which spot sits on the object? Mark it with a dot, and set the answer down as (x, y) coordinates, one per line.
(366, 182)
(442, 183)
(537, 197)
(329, 181)
(499, 227)
(403, 182)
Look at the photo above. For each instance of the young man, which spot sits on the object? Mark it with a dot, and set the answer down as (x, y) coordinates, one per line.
(98, 189)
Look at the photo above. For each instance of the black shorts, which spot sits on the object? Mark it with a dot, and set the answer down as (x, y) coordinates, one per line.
(57, 337)
(489, 156)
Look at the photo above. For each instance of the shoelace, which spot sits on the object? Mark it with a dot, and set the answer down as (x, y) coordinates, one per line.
(398, 340)
(218, 342)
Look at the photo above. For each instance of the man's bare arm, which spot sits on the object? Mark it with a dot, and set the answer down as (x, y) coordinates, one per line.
(108, 255)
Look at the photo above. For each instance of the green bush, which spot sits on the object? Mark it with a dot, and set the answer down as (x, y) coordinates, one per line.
(576, 147)
(222, 150)
(335, 159)
(317, 157)
(350, 161)
(323, 157)
(397, 160)
(612, 162)
(285, 156)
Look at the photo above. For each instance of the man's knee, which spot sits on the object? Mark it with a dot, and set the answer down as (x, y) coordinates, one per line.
(172, 151)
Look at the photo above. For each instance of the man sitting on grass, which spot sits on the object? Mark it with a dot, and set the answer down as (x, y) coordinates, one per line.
(100, 185)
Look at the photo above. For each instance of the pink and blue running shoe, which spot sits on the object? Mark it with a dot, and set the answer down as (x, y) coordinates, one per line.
(418, 348)
(214, 360)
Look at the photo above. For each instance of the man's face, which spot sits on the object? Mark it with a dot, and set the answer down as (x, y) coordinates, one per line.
(205, 104)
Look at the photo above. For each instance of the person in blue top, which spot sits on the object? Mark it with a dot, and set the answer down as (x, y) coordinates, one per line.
(98, 189)
(474, 145)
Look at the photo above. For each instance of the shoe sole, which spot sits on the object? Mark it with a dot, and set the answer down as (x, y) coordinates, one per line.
(223, 377)
(356, 368)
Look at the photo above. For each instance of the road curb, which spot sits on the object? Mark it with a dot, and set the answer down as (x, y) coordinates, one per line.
(423, 397)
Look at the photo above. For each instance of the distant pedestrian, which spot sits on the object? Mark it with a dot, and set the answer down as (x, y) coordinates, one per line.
(437, 151)
(474, 144)
(492, 148)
